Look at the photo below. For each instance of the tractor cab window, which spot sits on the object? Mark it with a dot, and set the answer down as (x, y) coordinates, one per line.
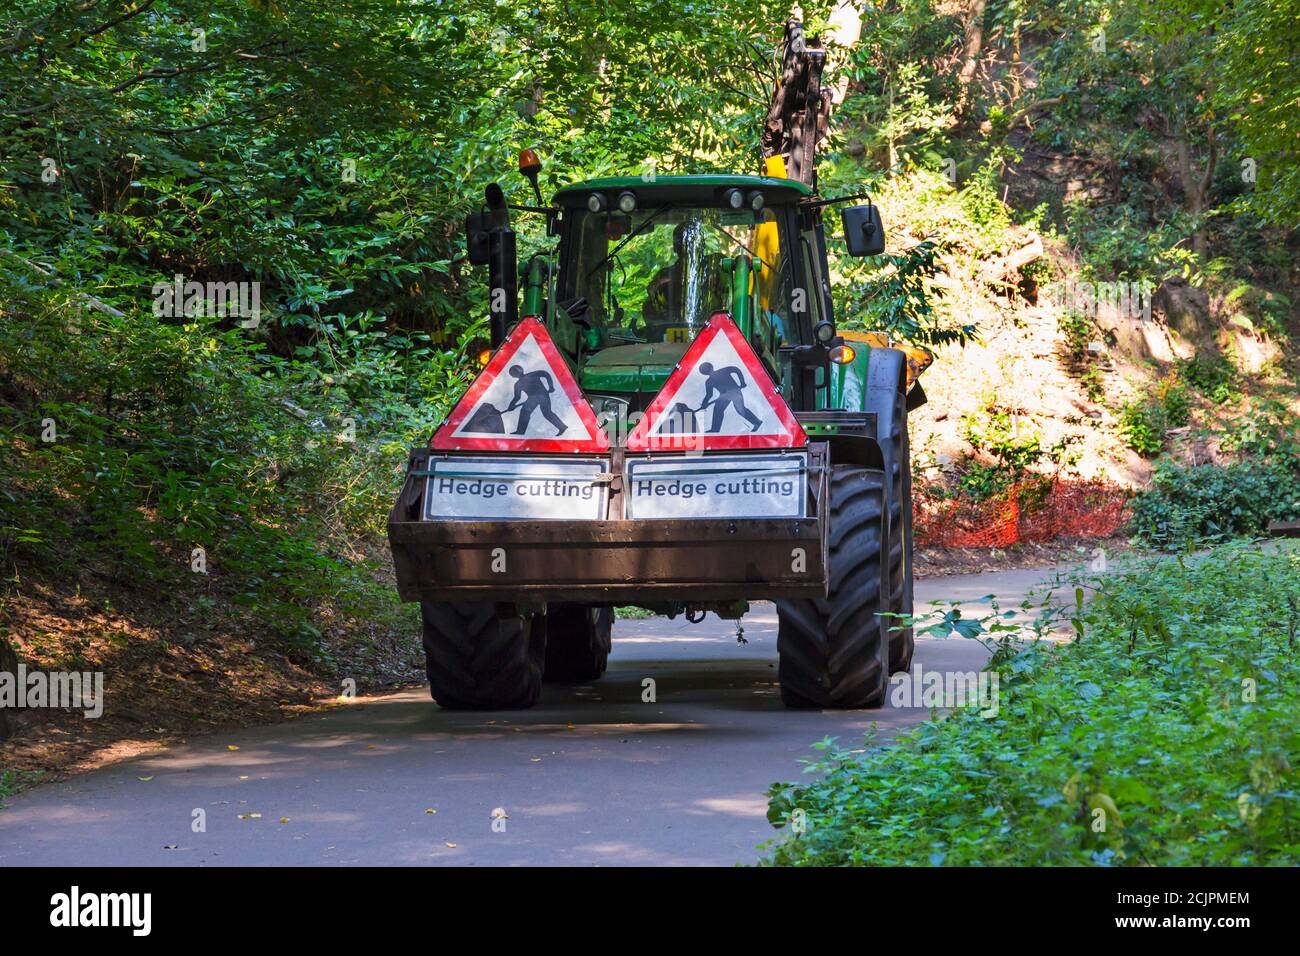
(657, 275)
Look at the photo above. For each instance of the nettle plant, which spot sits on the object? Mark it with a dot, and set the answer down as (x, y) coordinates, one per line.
(1163, 735)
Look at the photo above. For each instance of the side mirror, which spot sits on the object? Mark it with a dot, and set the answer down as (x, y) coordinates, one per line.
(863, 231)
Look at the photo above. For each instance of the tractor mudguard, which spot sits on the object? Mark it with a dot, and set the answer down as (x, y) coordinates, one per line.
(850, 435)
(885, 397)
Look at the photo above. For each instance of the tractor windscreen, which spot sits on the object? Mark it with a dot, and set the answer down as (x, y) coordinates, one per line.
(657, 275)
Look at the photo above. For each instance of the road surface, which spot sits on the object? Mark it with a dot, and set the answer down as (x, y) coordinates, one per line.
(593, 775)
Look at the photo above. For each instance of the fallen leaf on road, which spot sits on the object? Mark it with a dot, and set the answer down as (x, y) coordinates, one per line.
(169, 846)
(500, 814)
(231, 747)
(370, 746)
(243, 776)
(250, 816)
(430, 810)
(450, 844)
(536, 759)
(145, 779)
(284, 819)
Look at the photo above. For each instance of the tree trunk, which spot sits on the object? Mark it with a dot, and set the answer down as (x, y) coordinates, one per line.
(9, 665)
(1196, 186)
(971, 46)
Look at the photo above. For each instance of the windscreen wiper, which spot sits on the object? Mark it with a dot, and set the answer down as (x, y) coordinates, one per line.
(629, 237)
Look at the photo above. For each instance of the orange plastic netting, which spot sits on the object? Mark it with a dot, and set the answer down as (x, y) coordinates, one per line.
(1029, 511)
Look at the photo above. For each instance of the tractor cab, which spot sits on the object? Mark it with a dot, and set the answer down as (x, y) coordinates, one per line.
(651, 263)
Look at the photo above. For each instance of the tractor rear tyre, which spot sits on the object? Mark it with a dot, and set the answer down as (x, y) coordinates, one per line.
(834, 651)
(480, 659)
(577, 641)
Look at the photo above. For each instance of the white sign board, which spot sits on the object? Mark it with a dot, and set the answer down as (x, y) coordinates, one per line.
(520, 488)
(718, 486)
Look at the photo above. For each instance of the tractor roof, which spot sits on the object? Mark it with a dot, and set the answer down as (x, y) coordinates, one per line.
(701, 189)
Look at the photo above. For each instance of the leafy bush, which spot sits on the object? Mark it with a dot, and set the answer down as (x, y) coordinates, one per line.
(1212, 376)
(897, 299)
(1270, 430)
(1188, 505)
(1165, 735)
(160, 438)
(1144, 422)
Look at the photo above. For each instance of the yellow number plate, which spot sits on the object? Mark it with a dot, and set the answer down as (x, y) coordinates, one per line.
(678, 333)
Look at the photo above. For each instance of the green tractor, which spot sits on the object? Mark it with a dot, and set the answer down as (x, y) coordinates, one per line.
(698, 308)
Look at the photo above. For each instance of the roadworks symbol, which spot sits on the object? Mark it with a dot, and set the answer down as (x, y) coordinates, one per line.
(718, 397)
(525, 399)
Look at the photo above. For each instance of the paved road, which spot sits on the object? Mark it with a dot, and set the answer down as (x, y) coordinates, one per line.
(591, 776)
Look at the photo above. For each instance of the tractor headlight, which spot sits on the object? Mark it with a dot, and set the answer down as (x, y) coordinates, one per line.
(824, 332)
(627, 201)
(734, 198)
(756, 200)
(596, 202)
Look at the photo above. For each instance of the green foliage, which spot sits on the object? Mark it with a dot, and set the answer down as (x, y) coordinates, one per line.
(331, 153)
(1190, 505)
(1145, 421)
(1164, 735)
(1248, 49)
(1120, 243)
(632, 613)
(1257, 310)
(1269, 431)
(985, 211)
(897, 299)
(15, 781)
(162, 438)
(1213, 376)
(901, 108)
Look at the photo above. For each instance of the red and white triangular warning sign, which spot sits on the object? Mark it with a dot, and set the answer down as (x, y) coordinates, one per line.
(718, 397)
(525, 399)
